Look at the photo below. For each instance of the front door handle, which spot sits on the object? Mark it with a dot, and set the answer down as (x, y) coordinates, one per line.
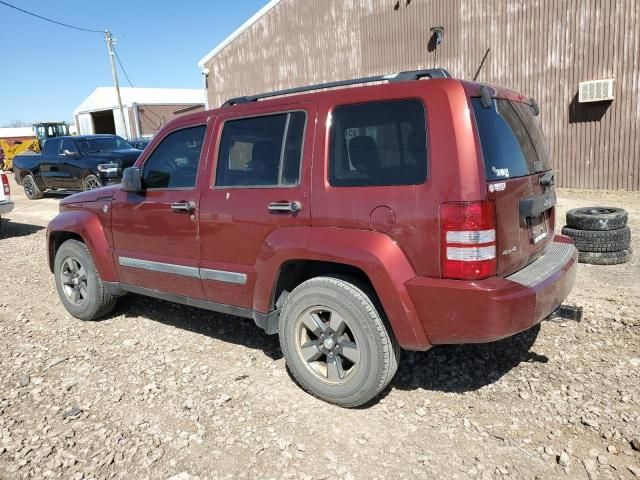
(183, 207)
(285, 207)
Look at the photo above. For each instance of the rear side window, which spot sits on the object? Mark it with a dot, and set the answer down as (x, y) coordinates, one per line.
(174, 162)
(513, 144)
(261, 151)
(376, 144)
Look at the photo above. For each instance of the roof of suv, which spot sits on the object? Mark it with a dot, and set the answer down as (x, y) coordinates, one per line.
(302, 94)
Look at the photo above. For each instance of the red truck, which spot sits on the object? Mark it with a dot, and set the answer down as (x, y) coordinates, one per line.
(355, 222)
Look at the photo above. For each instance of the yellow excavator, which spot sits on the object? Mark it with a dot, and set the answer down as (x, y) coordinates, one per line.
(43, 131)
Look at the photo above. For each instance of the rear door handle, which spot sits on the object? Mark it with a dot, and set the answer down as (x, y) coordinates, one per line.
(183, 207)
(285, 207)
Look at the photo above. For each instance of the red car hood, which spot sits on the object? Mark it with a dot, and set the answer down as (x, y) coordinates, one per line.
(103, 193)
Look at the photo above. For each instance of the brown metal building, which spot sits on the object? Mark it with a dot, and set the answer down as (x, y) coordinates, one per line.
(543, 48)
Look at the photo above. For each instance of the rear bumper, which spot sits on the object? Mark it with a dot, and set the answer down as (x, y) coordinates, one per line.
(453, 311)
(5, 207)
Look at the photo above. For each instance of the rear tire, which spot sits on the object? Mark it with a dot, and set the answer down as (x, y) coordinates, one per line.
(597, 218)
(91, 182)
(599, 241)
(79, 286)
(605, 258)
(31, 189)
(335, 341)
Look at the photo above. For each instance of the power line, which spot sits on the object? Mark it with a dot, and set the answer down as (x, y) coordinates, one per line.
(49, 19)
(122, 68)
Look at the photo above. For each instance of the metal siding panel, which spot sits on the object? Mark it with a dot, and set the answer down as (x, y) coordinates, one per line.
(542, 48)
(154, 117)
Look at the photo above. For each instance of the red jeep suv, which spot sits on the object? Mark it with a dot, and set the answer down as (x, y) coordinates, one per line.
(354, 222)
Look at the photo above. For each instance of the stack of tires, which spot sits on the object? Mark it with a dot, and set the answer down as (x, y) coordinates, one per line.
(601, 234)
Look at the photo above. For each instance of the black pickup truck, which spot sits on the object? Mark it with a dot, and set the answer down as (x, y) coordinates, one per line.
(74, 163)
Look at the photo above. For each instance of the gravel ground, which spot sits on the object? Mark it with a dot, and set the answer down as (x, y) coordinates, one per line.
(164, 391)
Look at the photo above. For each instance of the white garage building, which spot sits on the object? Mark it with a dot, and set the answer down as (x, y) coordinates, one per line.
(146, 110)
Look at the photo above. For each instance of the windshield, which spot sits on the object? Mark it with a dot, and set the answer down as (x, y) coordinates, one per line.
(102, 144)
(513, 144)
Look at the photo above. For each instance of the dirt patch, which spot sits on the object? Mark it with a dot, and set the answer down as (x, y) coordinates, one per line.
(160, 389)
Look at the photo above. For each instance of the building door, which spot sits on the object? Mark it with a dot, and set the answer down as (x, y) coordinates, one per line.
(103, 122)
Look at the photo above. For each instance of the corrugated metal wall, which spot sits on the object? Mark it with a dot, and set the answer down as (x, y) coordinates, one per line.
(542, 48)
(154, 117)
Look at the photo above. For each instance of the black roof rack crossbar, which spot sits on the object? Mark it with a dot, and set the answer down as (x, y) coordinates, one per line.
(397, 77)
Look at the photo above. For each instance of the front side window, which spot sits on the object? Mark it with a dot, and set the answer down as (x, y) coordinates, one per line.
(261, 151)
(174, 162)
(103, 144)
(376, 144)
(68, 146)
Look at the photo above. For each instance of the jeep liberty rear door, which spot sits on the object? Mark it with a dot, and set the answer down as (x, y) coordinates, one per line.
(257, 207)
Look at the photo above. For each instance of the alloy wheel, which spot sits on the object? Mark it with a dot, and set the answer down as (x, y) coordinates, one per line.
(327, 345)
(73, 277)
(29, 188)
(91, 184)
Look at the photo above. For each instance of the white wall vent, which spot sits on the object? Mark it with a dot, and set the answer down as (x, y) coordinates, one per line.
(595, 91)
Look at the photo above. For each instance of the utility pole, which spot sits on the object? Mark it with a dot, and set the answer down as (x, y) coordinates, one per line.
(110, 42)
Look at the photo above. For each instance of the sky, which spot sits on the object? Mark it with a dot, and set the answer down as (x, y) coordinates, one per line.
(47, 70)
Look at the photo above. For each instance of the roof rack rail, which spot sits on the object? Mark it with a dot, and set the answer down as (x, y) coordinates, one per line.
(397, 77)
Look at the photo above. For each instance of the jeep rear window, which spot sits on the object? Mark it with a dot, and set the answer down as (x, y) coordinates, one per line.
(513, 144)
(376, 144)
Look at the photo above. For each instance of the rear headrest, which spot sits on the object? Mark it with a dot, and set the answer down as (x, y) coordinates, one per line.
(265, 159)
(364, 155)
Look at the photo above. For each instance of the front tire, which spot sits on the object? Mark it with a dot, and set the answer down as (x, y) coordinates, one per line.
(79, 286)
(335, 341)
(91, 182)
(31, 189)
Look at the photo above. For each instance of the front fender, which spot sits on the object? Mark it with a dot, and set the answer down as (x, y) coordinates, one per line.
(88, 226)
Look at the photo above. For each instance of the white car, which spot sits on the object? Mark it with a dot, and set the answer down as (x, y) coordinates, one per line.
(6, 205)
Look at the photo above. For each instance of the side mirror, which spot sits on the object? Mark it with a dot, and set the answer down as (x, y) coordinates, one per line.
(132, 180)
(69, 153)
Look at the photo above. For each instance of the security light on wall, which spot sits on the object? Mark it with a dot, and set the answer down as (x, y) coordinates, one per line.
(437, 35)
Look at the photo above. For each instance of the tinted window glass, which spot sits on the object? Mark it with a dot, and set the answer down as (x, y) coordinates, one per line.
(513, 144)
(68, 145)
(174, 162)
(383, 143)
(103, 144)
(261, 151)
(52, 147)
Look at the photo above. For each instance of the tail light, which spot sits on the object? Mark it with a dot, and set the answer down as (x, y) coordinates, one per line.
(468, 240)
(5, 185)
